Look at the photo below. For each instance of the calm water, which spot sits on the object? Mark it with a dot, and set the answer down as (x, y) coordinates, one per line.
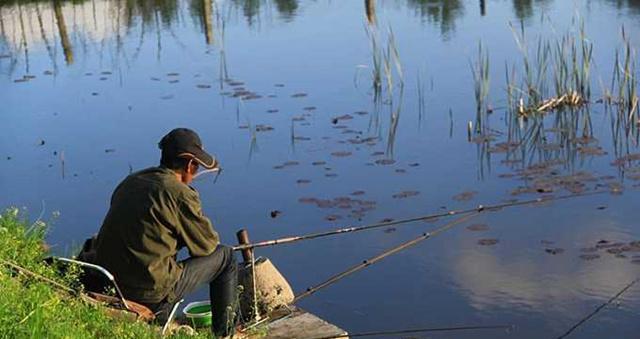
(281, 91)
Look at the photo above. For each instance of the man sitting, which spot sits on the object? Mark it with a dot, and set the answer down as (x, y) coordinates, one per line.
(153, 214)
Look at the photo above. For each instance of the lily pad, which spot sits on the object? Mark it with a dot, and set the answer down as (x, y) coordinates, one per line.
(263, 128)
(341, 154)
(488, 242)
(464, 196)
(385, 162)
(554, 251)
(405, 194)
(478, 227)
(589, 257)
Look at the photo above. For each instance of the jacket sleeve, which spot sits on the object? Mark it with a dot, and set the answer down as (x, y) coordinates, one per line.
(196, 230)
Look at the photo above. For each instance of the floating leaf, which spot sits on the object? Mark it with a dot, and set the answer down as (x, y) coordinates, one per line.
(341, 154)
(263, 128)
(589, 257)
(488, 242)
(554, 251)
(464, 196)
(478, 227)
(385, 161)
(405, 194)
(306, 200)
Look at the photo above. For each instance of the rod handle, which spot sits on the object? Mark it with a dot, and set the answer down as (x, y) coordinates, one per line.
(243, 239)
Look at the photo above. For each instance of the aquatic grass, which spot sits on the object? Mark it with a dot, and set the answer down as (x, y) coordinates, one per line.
(421, 99)
(385, 60)
(480, 71)
(622, 98)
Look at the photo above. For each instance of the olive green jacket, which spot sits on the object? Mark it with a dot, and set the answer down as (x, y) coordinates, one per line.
(152, 216)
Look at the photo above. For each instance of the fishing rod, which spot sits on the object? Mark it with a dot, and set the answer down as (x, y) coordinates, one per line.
(507, 328)
(373, 260)
(598, 309)
(351, 229)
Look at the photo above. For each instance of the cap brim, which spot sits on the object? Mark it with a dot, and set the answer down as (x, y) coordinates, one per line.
(203, 158)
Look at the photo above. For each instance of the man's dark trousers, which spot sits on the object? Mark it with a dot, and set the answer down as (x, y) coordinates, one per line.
(220, 271)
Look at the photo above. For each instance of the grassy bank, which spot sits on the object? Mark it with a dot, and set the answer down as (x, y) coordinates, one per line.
(30, 308)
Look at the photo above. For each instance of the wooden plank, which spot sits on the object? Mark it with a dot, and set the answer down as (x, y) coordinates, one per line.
(301, 324)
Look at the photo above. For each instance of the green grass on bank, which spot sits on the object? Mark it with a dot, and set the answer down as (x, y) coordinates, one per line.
(30, 308)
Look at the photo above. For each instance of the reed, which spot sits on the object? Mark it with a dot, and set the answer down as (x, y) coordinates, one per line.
(385, 60)
(480, 71)
(421, 99)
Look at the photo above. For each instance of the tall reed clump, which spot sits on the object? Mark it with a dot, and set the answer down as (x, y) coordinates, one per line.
(622, 97)
(33, 308)
(566, 60)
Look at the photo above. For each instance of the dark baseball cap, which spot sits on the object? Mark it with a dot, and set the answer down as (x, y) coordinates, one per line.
(185, 143)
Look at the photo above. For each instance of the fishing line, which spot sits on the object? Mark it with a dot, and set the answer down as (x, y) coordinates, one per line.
(507, 328)
(352, 229)
(373, 260)
(598, 309)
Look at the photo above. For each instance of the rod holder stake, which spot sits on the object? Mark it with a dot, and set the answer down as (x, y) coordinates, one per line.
(243, 239)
